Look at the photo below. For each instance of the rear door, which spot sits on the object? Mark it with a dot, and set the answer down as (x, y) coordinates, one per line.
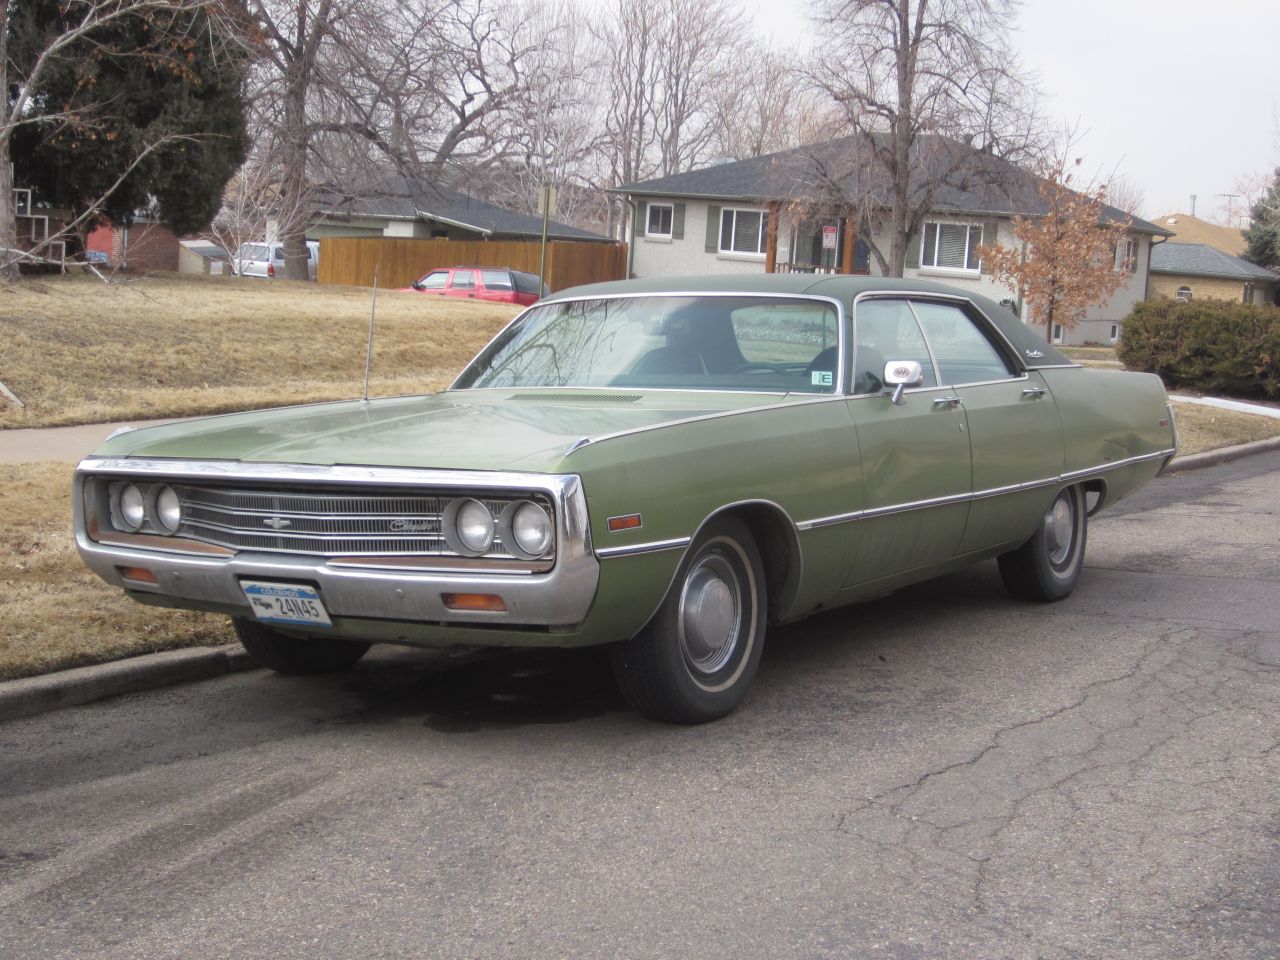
(462, 283)
(496, 285)
(1015, 432)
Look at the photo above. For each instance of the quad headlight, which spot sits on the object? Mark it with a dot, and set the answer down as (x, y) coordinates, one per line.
(150, 508)
(522, 528)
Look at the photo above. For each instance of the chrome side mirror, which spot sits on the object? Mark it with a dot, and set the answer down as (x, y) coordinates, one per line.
(901, 374)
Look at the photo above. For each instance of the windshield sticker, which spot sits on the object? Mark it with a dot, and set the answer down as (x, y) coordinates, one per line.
(820, 378)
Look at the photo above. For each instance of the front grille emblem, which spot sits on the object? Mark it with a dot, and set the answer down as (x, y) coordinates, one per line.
(277, 523)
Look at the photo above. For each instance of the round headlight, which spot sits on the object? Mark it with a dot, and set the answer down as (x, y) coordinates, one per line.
(132, 507)
(531, 528)
(474, 524)
(168, 509)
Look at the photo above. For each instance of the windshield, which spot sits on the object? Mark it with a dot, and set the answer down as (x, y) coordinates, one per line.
(770, 344)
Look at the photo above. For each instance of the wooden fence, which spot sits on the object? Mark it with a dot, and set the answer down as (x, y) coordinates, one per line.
(400, 261)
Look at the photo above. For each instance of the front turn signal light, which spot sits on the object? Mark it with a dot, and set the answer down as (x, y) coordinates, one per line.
(488, 602)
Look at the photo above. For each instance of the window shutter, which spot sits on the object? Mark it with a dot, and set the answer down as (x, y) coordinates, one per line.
(677, 222)
(913, 252)
(642, 220)
(713, 229)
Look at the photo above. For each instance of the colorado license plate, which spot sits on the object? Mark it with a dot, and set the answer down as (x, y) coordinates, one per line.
(286, 603)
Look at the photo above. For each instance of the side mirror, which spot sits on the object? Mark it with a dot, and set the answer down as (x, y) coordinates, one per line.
(901, 374)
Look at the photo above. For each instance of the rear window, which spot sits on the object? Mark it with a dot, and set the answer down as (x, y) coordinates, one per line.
(495, 279)
(252, 251)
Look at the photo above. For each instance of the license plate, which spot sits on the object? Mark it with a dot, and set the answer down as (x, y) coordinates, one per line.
(286, 603)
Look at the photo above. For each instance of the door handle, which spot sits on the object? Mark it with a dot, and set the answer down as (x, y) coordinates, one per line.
(952, 402)
(1033, 393)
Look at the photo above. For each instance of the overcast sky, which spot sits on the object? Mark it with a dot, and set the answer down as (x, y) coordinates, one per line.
(1181, 95)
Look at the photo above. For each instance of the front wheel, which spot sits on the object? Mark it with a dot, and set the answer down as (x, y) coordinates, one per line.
(1047, 567)
(695, 659)
(286, 654)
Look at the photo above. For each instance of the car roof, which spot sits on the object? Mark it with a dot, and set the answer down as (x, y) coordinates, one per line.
(843, 288)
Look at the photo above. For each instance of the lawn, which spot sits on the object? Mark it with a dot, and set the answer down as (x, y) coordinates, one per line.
(77, 350)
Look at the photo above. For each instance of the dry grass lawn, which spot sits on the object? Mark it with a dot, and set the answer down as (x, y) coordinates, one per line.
(77, 350)
(56, 614)
(1203, 428)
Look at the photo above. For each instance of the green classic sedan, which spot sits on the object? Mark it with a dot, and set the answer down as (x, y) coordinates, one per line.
(663, 466)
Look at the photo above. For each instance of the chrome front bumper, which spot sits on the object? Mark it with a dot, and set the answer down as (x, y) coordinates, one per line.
(557, 599)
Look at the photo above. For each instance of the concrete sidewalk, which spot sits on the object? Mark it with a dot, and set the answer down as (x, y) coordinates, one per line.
(59, 443)
(1239, 406)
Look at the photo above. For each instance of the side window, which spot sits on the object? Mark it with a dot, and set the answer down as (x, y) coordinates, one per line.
(885, 330)
(963, 352)
(463, 280)
(495, 279)
(434, 280)
(277, 253)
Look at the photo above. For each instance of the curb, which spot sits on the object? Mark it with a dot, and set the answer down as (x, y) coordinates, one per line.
(1211, 458)
(70, 688)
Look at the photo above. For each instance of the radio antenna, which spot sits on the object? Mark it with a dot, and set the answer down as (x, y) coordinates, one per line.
(368, 355)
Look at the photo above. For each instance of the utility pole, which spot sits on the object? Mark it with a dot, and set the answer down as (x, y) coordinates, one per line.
(1230, 209)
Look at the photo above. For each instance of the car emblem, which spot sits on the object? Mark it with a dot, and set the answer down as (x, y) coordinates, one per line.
(410, 526)
(277, 523)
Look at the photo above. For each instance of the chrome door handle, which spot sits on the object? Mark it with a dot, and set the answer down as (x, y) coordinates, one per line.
(946, 402)
(1033, 393)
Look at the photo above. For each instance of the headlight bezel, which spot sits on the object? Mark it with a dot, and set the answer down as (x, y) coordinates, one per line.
(125, 497)
(507, 524)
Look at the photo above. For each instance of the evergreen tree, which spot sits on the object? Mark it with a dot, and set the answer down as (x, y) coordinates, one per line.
(1263, 235)
(155, 98)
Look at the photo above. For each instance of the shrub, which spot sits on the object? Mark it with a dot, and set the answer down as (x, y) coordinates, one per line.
(1210, 345)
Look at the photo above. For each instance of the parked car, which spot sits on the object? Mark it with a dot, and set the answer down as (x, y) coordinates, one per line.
(498, 284)
(267, 260)
(663, 466)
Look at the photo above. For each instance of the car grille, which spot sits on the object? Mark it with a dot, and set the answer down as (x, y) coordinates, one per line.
(319, 523)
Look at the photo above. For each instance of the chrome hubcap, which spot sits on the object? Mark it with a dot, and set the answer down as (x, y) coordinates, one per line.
(1059, 528)
(710, 614)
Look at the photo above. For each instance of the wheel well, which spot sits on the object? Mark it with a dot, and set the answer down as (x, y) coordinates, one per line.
(775, 536)
(1097, 487)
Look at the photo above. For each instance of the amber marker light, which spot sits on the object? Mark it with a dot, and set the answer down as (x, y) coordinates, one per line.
(631, 521)
(141, 574)
(489, 602)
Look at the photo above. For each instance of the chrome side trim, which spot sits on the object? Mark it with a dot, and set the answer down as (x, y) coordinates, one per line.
(803, 525)
(656, 546)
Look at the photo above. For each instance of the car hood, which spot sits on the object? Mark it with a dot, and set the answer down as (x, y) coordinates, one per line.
(527, 430)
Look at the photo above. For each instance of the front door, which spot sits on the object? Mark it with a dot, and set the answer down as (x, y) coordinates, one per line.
(914, 455)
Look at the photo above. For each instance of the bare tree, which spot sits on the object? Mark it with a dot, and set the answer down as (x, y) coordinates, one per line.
(929, 86)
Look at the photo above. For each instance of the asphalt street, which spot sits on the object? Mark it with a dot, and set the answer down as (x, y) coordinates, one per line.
(942, 773)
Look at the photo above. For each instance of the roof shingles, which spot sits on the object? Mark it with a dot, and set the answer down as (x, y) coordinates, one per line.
(1202, 260)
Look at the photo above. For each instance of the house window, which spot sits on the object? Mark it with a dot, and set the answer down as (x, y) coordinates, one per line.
(1248, 292)
(1115, 332)
(951, 246)
(1057, 333)
(1126, 256)
(659, 223)
(743, 231)
(1184, 293)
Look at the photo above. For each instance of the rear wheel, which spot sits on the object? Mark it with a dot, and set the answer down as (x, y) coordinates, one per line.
(286, 654)
(695, 659)
(1047, 567)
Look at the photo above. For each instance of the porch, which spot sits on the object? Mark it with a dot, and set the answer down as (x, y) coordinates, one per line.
(814, 243)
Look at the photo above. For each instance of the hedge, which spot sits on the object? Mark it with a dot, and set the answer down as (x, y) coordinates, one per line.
(1212, 345)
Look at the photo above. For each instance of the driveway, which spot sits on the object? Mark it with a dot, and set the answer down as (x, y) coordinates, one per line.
(943, 773)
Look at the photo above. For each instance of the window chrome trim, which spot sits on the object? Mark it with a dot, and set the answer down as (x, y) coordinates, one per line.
(873, 512)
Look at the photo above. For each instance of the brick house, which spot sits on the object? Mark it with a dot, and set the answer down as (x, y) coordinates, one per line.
(1197, 271)
(143, 245)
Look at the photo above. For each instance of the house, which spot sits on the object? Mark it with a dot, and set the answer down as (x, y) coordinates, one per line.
(142, 244)
(791, 212)
(400, 207)
(1188, 229)
(1190, 271)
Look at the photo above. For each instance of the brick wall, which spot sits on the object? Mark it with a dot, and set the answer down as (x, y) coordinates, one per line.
(1202, 288)
(150, 247)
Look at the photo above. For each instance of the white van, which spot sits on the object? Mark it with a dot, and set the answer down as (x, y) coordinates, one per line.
(267, 260)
